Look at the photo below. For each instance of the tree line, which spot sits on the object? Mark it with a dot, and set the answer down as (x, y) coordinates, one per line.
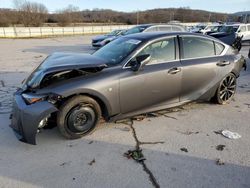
(34, 14)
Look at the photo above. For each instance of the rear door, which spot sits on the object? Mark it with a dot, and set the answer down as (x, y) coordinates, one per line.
(158, 83)
(199, 66)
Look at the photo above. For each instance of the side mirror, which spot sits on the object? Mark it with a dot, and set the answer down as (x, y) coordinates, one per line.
(140, 61)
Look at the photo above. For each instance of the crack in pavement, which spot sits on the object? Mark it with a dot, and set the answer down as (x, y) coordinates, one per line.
(139, 150)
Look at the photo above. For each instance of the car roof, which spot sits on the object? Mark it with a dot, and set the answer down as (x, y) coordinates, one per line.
(155, 35)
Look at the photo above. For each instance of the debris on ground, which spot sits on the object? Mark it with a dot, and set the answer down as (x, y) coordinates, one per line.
(220, 147)
(38, 56)
(91, 162)
(219, 162)
(73, 179)
(71, 145)
(135, 154)
(230, 135)
(218, 132)
(159, 142)
(65, 163)
(123, 129)
(91, 142)
(173, 169)
(188, 132)
(184, 149)
(124, 121)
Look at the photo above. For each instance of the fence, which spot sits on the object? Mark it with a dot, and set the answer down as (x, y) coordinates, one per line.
(28, 32)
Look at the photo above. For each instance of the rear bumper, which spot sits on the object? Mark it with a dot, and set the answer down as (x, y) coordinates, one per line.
(26, 118)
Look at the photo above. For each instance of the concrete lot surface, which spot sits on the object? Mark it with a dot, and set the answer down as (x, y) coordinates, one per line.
(180, 147)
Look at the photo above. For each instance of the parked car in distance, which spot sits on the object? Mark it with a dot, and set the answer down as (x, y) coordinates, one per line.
(210, 29)
(132, 75)
(99, 41)
(197, 28)
(243, 30)
(155, 28)
(226, 33)
(102, 40)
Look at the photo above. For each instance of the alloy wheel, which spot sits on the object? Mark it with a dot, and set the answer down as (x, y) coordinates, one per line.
(227, 88)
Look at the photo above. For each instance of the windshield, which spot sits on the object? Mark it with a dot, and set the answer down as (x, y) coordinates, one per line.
(116, 51)
(133, 30)
(211, 27)
(226, 29)
(236, 28)
(115, 32)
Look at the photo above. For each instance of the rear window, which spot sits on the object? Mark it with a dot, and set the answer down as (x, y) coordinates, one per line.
(218, 48)
(248, 27)
(195, 47)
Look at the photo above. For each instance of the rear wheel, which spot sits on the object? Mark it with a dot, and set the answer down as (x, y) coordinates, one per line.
(226, 89)
(78, 116)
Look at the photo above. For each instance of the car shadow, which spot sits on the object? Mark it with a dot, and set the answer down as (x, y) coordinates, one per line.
(67, 163)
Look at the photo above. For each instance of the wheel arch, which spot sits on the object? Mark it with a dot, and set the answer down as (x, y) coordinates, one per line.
(104, 105)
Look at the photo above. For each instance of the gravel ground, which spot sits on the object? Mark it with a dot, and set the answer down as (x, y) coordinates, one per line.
(180, 147)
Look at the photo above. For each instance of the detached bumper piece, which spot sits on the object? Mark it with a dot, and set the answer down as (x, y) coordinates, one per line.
(26, 118)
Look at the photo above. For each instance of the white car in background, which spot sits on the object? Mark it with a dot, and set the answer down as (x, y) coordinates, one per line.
(243, 30)
(210, 28)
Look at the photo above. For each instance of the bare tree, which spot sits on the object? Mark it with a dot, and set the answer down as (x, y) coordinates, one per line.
(31, 13)
(68, 15)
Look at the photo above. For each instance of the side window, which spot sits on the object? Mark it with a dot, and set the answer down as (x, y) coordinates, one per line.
(164, 28)
(218, 48)
(151, 29)
(161, 51)
(194, 47)
(243, 29)
(133, 30)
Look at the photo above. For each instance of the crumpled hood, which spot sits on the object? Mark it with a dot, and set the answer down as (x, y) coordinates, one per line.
(58, 62)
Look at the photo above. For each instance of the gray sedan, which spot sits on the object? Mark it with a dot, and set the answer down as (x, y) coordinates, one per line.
(132, 75)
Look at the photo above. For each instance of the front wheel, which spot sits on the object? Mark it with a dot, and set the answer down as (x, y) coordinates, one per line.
(226, 89)
(78, 116)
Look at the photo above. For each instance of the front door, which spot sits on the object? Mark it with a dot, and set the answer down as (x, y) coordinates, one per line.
(158, 83)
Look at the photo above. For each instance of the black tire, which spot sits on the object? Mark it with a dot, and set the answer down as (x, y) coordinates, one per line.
(78, 116)
(226, 89)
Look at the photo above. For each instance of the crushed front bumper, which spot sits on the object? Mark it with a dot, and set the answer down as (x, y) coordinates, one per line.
(26, 118)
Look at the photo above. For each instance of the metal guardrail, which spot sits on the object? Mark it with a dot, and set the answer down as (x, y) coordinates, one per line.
(29, 32)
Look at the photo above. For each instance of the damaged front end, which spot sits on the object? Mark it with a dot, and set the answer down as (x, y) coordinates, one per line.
(26, 118)
(32, 107)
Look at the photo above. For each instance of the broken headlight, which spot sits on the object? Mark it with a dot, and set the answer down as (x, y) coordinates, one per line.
(32, 98)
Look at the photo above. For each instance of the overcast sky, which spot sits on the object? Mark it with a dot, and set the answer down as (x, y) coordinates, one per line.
(227, 6)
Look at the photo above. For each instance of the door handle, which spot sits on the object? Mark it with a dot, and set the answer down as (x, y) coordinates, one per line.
(223, 63)
(174, 70)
